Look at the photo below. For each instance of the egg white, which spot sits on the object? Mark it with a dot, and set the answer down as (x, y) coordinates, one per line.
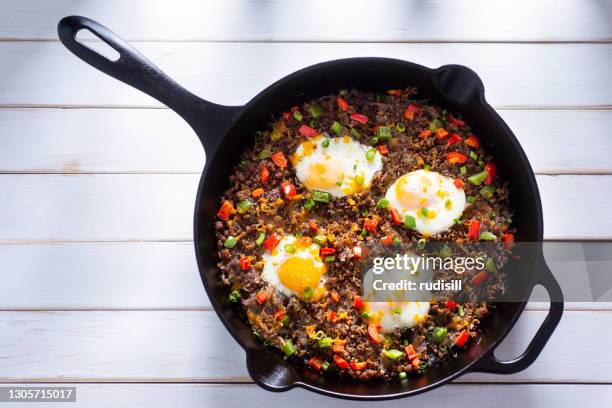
(444, 202)
(340, 169)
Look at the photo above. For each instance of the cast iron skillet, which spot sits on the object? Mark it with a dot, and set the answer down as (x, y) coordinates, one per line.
(225, 131)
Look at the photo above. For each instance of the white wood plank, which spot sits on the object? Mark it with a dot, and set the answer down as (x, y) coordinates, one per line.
(251, 396)
(232, 73)
(129, 276)
(184, 346)
(143, 207)
(158, 141)
(390, 20)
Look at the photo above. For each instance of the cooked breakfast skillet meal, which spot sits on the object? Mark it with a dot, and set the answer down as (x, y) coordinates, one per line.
(323, 184)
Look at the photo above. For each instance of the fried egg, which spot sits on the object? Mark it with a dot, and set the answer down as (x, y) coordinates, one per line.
(295, 268)
(392, 315)
(339, 166)
(430, 198)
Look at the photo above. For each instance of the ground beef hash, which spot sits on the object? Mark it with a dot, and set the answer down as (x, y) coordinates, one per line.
(422, 136)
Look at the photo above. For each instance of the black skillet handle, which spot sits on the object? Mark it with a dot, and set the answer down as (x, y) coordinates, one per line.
(491, 364)
(206, 118)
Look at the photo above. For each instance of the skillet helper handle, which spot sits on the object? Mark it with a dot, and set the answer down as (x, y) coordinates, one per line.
(134, 69)
(491, 364)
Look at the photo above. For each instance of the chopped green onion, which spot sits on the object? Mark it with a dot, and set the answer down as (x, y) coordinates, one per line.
(243, 206)
(434, 125)
(493, 215)
(444, 113)
(325, 365)
(490, 265)
(320, 196)
(487, 236)
(365, 315)
(405, 342)
(364, 232)
(230, 242)
(397, 240)
(320, 239)
(461, 310)
(297, 116)
(370, 154)
(289, 248)
(285, 322)
(463, 170)
(457, 220)
(374, 141)
(315, 110)
(448, 203)
(439, 334)
(409, 221)
(473, 155)
(308, 292)
(260, 239)
(313, 123)
(258, 133)
(509, 220)
(257, 335)
(383, 203)
(426, 167)
(336, 128)
(309, 204)
(481, 163)
(359, 179)
(424, 211)
(326, 342)
(339, 183)
(330, 258)
(402, 375)
(471, 199)
(397, 310)
(478, 178)
(364, 212)
(424, 364)
(325, 143)
(355, 133)
(400, 127)
(383, 133)
(288, 348)
(235, 296)
(264, 154)
(487, 191)
(421, 244)
(393, 354)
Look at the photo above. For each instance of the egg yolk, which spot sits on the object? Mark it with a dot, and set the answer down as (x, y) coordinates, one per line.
(297, 274)
(323, 175)
(413, 194)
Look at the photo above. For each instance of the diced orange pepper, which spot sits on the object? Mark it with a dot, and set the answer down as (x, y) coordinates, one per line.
(279, 159)
(227, 209)
(258, 192)
(342, 104)
(425, 134)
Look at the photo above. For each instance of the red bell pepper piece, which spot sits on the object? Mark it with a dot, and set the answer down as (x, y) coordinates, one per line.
(373, 332)
(455, 121)
(462, 338)
(383, 149)
(327, 251)
(359, 365)
(288, 190)
(340, 362)
(245, 263)
(479, 278)
(313, 226)
(342, 103)
(271, 242)
(261, 297)
(265, 174)
(315, 363)
(279, 159)
(459, 183)
(425, 134)
(332, 317)
(370, 225)
(454, 138)
(387, 240)
(227, 209)
(456, 157)
(410, 352)
(395, 216)
(472, 141)
(491, 170)
(357, 252)
(307, 131)
(441, 133)
(280, 313)
(358, 302)
(474, 229)
(363, 119)
(508, 239)
(450, 305)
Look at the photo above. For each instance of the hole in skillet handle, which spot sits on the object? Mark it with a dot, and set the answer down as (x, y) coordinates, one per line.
(269, 371)
(458, 84)
(84, 37)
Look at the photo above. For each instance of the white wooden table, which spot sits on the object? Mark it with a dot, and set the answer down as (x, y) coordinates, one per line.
(99, 285)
